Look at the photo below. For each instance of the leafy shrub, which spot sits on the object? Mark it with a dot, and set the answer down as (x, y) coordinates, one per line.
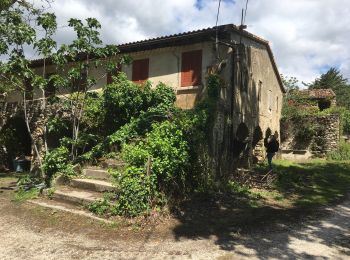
(57, 161)
(138, 191)
(342, 154)
(167, 151)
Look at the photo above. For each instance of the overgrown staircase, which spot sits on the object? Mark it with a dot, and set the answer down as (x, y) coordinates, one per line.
(74, 195)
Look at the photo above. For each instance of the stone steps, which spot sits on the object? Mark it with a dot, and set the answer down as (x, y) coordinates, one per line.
(93, 185)
(76, 196)
(96, 173)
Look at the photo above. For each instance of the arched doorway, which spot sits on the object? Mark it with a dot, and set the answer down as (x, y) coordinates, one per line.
(241, 141)
(15, 140)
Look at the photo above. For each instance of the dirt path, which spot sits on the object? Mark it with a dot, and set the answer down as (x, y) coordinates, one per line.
(29, 232)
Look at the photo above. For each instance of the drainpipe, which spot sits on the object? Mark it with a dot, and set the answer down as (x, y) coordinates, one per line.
(178, 72)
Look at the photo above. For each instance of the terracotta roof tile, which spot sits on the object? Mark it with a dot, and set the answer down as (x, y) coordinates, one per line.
(319, 93)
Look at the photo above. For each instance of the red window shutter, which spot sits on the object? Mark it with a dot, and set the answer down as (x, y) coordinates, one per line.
(140, 70)
(115, 72)
(191, 68)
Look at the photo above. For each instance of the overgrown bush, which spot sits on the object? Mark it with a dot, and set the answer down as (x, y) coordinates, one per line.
(342, 154)
(57, 161)
(157, 165)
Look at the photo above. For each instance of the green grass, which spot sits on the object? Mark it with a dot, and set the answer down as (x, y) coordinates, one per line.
(317, 182)
(22, 195)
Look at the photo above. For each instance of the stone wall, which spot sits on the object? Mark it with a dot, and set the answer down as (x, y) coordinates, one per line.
(37, 117)
(312, 136)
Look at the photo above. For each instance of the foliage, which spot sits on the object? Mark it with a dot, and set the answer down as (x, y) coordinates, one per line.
(290, 83)
(57, 161)
(157, 166)
(124, 100)
(305, 132)
(103, 206)
(334, 80)
(171, 160)
(317, 182)
(342, 154)
(23, 195)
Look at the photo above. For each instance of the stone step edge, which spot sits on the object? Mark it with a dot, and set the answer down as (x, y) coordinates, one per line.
(63, 196)
(99, 187)
(72, 211)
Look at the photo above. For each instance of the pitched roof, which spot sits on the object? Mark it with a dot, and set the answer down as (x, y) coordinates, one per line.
(318, 93)
(191, 37)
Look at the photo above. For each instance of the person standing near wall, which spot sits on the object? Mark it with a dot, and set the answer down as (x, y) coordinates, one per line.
(272, 145)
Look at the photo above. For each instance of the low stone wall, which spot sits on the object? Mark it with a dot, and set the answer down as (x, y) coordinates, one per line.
(312, 136)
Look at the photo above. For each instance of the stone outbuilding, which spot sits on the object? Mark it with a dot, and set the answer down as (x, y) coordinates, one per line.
(314, 134)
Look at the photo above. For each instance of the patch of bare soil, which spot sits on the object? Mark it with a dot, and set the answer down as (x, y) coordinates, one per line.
(201, 228)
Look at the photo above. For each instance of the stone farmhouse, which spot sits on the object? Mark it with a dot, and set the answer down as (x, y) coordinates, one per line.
(250, 100)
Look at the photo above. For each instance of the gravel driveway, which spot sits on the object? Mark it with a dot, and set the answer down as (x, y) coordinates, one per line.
(28, 232)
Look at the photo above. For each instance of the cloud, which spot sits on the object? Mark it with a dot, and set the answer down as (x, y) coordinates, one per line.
(306, 36)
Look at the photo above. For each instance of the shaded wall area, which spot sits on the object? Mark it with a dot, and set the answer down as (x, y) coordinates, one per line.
(15, 141)
(20, 143)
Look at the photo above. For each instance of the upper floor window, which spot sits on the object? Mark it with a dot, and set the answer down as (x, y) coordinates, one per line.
(140, 70)
(270, 100)
(191, 68)
(259, 90)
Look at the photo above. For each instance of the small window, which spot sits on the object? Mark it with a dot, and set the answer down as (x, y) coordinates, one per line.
(277, 103)
(140, 70)
(259, 90)
(270, 100)
(244, 79)
(191, 68)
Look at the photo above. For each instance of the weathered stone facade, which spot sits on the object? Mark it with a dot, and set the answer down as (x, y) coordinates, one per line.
(323, 136)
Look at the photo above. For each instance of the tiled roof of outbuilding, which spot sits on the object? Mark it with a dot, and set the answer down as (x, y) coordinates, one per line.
(319, 93)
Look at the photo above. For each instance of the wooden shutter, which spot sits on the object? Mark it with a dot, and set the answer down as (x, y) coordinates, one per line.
(140, 70)
(191, 68)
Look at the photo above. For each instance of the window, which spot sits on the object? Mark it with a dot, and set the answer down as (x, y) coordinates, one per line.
(277, 103)
(270, 100)
(140, 70)
(191, 68)
(114, 72)
(259, 90)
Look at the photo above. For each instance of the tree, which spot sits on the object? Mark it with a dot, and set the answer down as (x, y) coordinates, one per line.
(19, 22)
(290, 83)
(334, 80)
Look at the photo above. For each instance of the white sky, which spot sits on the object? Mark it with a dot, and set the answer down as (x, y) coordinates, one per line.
(307, 36)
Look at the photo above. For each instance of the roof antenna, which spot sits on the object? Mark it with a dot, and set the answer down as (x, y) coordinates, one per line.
(243, 16)
(217, 33)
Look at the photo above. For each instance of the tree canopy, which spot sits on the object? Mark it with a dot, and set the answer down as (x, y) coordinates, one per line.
(334, 80)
